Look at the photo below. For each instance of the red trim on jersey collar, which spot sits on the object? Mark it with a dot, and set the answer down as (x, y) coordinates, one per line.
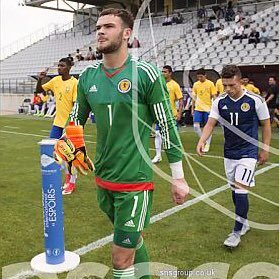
(124, 187)
(113, 73)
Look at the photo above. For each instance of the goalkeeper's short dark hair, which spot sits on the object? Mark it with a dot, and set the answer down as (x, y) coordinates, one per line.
(229, 71)
(126, 16)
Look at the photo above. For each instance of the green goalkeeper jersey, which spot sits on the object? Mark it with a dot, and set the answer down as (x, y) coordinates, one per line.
(125, 102)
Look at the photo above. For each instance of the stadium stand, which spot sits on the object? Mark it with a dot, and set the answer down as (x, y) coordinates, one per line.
(183, 46)
(38, 56)
(197, 49)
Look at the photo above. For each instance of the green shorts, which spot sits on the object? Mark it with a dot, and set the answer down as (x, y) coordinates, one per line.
(128, 211)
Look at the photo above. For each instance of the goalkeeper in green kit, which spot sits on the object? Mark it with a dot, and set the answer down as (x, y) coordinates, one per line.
(123, 173)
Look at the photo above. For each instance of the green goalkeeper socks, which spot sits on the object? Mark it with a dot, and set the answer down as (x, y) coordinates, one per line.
(142, 257)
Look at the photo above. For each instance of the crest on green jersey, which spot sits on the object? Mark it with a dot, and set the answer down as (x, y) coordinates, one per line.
(124, 85)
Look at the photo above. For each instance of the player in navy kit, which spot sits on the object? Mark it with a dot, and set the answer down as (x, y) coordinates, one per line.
(239, 111)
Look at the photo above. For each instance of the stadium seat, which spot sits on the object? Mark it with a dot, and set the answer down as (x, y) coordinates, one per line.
(259, 59)
(265, 51)
(185, 56)
(271, 45)
(177, 63)
(218, 43)
(213, 55)
(243, 53)
(192, 62)
(222, 54)
(254, 52)
(203, 55)
(270, 59)
(190, 46)
(215, 61)
(226, 43)
(239, 47)
(232, 54)
(184, 50)
(272, 33)
(192, 51)
(260, 46)
(230, 48)
(218, 68)
(236, 60)
(176, 57)
(249, 46)
(205, 63)
(235, 42)
(220, 48)
(247, 60)
(226, 60)
(168, 51)
(168, 62)
(210, 49)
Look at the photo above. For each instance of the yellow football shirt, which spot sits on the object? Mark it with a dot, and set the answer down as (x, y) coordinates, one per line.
(219, 86)
(203, 93)
(252, 88)
(65, 92)
(175, 94)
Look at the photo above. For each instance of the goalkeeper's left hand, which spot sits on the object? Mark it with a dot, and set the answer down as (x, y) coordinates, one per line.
(64, 150)
(180, 190)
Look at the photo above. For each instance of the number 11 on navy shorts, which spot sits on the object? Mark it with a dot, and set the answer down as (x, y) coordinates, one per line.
(241, 171)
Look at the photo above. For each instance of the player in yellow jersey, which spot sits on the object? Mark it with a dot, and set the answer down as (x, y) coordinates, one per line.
(64, 88)
(219, 87)
(248, 86)
(203, 92)
(175, 95)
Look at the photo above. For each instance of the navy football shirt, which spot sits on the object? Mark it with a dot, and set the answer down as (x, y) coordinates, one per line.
(240, 119)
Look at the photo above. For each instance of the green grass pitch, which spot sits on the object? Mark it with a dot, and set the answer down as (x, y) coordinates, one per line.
(186, 239)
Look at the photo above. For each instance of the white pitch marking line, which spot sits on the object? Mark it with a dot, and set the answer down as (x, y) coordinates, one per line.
(107, 239)
(42, 136)
(11, 127)
(34, 135)
(23, 134)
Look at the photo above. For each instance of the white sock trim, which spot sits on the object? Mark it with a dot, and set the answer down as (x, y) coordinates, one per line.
(122, 273)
